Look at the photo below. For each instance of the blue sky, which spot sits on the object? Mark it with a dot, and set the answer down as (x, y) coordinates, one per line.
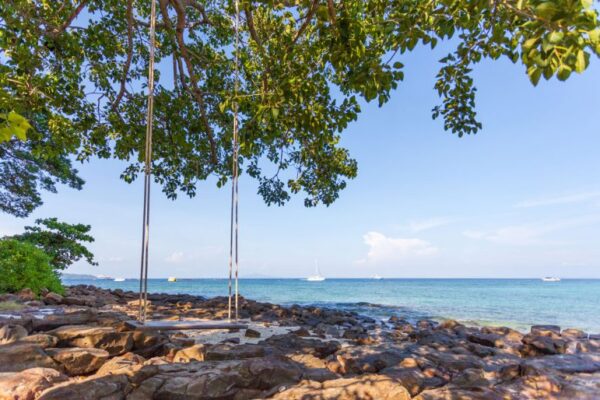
(519, 199)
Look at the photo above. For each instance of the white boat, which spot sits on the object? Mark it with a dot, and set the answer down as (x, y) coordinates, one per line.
(377, 277)
(172, 279)
(105, 277)
(317, 276)
(119, 279)
(550, 279)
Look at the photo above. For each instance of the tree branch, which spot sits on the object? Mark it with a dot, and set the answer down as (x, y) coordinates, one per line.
(311, 12)
(129, 54)
(71, 18)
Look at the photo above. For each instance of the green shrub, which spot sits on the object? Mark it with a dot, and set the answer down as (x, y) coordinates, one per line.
(22, 265)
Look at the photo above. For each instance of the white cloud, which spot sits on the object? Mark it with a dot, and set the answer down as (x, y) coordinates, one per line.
(566, 199)
(383, 249)
(528, 234)
(175, 258)
(430, 223)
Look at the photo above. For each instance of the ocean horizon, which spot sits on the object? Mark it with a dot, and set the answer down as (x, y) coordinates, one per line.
(514, 302)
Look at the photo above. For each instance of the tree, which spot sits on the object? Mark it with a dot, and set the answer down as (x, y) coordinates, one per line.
(80, 67)
(63, 242)
(22, 265)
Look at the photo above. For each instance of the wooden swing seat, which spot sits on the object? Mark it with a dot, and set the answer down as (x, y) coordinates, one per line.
(184, 325)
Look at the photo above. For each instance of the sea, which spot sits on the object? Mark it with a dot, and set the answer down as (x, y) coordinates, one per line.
(517, 303)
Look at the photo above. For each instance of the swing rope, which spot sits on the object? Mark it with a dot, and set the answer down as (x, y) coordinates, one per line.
(234, 225)
(147, 173)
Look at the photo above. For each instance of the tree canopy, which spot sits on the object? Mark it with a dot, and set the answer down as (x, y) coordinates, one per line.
(77, 71)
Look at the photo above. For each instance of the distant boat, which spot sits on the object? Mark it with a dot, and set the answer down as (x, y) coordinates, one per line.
(172, 279)
(317, 276)
(119, 279)
(377, 277)
(550, 279)
(104, 277)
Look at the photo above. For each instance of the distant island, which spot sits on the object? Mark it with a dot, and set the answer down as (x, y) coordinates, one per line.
(71, 277)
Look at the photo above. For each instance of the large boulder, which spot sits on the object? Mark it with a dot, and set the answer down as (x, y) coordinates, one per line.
(232, 352)
(28, 384)
(76, 316)
(362, 387)
(537, 345)
(53, 298)
(12, 333)
(19, 356)
(457, 393)
(290, 343)
(567, 363)
(105, 338)
(78, 361)
(251, 378)
(121, 365)
(41, 339)
(109, 387)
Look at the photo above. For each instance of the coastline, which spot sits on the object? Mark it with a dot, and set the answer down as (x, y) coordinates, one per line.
(81, 346)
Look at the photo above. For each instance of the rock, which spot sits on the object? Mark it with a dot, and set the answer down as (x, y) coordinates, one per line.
(290, 343)
(41, 339)
(231, 352)
(120, 364)
(192, 353)
(363, 387)
(19, 356)
(470, 378)
(359, 360)
(487, 339)
(26, 294)
(109, 387)
(413, 379)
(28, 384)
(231, 340)
(70, 317)
(573, 334)
(53, 298)
(78, 361)
(148, 344)
(105, 338)
(11, 333)
(251, 333)
(452, 362)
(219, 380)
(542, 345)
(449, 324)
(303, 332)
(586, 346)
(315, 369)
(455, 393)
(567, 363)
(545, 330)
(581, 387)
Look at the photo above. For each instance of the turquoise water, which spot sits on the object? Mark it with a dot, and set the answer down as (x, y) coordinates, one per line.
(518, 303)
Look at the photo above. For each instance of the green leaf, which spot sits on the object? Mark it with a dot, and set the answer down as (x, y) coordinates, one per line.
(581, 63)
(564, 71)
(555, 37)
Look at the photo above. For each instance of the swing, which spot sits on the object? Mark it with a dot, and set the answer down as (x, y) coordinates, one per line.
(142, 324)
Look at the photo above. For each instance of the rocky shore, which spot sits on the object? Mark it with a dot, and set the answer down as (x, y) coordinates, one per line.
(83, 346)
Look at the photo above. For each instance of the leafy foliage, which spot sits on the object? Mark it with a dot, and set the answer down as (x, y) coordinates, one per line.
(22, 265)
(60, 240)
(77, 69)
(13, 124)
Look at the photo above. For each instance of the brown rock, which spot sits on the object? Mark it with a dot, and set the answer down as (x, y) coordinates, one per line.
(41, 339)
(542, 345)
(148, 344)
(456, 393)
(53, 298)
(28, 384)
(19, 356)
(70, 317)
(363, 387)
(11, 333)
(192, 353)
(78, 361)
(573, 334)
(121, 364)
(290, 343)
(545, 330)
(413, 379)
(315, 368)
(109, 387)
(231, 352)
(251, 333)
(105, 338)
(567, 363)
(26, 295)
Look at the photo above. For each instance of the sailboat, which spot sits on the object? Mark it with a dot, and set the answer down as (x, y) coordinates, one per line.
(377, 277)
(317, 276)
(550, 279)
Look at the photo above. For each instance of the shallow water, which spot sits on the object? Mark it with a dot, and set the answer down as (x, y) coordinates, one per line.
(518, 303)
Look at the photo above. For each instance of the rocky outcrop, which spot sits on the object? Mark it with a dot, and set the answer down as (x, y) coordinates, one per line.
(105, 338)
(28, 384)
(11, 333)
(78, 361)
(363, 387)
(19, 356)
